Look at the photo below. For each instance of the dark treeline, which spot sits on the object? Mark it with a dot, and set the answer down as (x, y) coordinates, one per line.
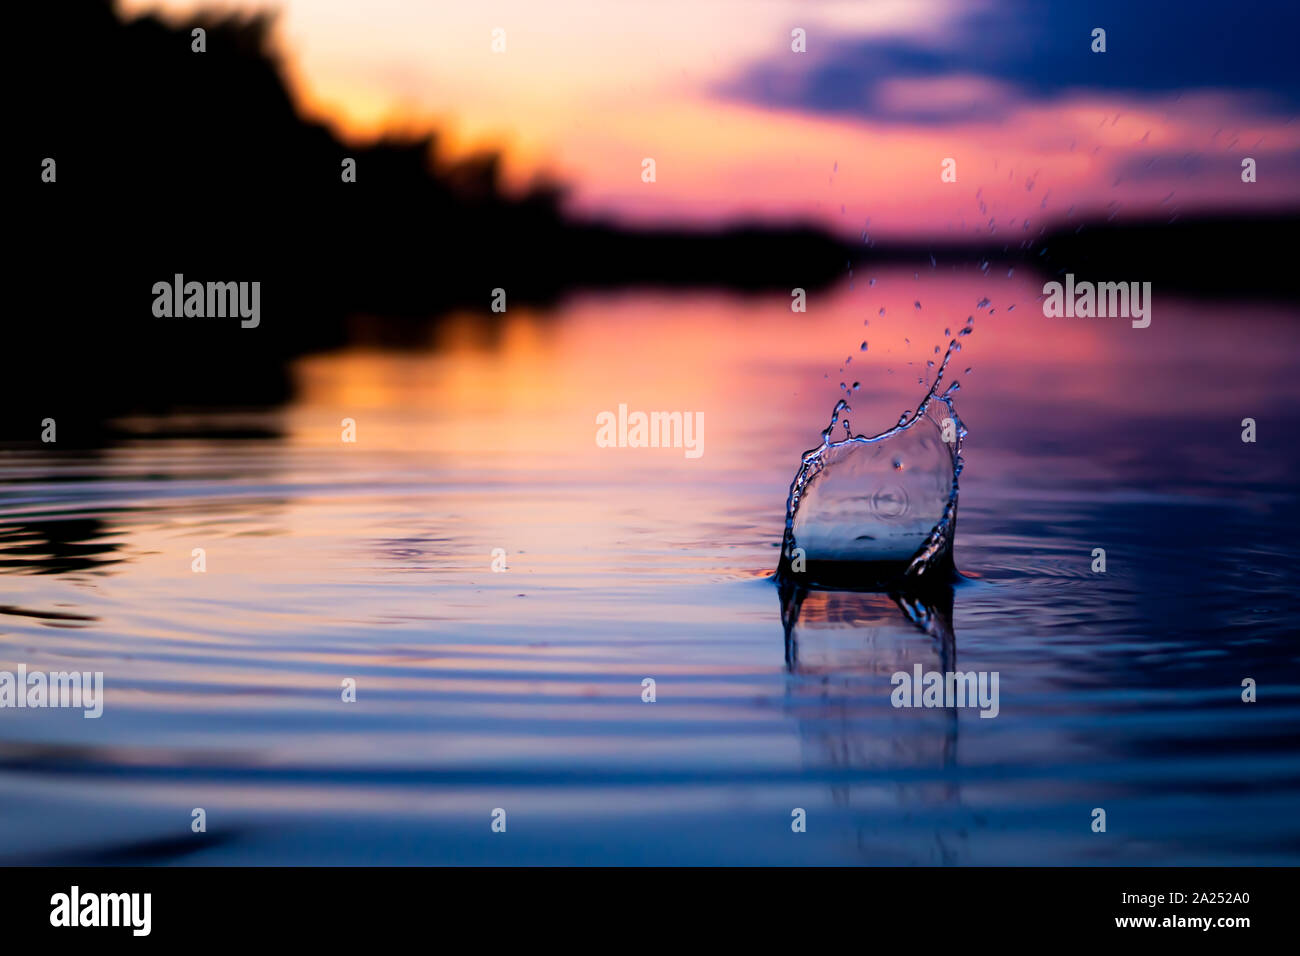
(171, 161)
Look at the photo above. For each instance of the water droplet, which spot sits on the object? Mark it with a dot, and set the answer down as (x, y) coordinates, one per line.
(864, 346)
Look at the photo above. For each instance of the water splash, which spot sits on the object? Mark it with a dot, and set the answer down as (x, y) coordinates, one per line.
(864, 510)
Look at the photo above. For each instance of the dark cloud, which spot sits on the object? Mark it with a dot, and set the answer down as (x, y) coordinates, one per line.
(1038, 51)
(1224, 164)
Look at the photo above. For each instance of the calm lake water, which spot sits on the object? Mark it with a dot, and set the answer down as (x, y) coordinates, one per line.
(522, 690)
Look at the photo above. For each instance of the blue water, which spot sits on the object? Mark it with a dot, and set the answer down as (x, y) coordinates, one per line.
(522, 689)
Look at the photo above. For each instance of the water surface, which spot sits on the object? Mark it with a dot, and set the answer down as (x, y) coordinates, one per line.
(522, 689)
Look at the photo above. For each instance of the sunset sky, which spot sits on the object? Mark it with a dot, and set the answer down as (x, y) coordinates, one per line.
(851, 133)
